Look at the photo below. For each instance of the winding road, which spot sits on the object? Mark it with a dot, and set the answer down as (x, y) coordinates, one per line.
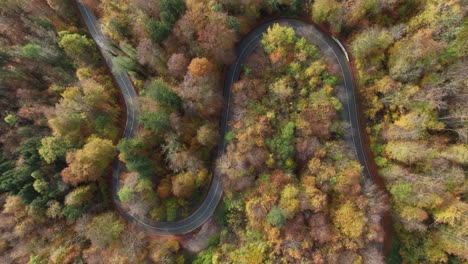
(248, 44)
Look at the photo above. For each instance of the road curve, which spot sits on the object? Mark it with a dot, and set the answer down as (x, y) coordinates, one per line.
(244, 48)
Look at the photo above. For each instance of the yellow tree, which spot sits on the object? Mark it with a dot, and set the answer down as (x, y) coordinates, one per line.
(279, 41)
(289, 202)
(349, 220)
(327, 11)
(90, 162)
(312, 198)
(200, 67)
(183, 184)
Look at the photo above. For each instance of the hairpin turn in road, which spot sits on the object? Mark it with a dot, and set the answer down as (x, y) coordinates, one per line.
(244, 49)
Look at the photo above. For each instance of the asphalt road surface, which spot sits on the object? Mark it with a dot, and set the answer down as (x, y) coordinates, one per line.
(244, 48)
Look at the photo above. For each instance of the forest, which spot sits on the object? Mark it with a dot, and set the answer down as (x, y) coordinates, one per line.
(294, 191)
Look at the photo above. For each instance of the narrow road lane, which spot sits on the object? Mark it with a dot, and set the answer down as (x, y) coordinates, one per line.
(244, 49)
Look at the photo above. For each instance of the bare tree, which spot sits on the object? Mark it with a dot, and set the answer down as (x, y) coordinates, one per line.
(133, 242)
(177, 65)
(372, 256)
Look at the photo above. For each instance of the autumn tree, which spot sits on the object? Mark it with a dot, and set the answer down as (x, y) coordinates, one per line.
(349, 220)
(177, 65)
(85, 109)
(312, 198)
(369, 48)
(462, 43)
(183, 184)
(213, 35)
(207, 135)
(104, 229)
(278, 41)
(54, 209)
(62, 7)
(201, 89)
(90, 162)
(289, 202)
(151, 56)
(410, 57)
(282, 89)
(407, 152)
(219, 40)
(327, 11)
(164, 188)
(80, 195)
(70, 122)
(457, 153)
(200, 67)
(165, 250)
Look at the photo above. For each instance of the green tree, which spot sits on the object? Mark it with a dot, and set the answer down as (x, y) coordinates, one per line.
(369, 48)
(171, 10)
(171, 209)
(278, 39)
(81, 195)
(409, 58)
(53, 148)
(132, 153)
(34, 259)
(158, 30)
(126, 64)
(41, 186)
(157, 121)
(78, 47)
(401, 191)
(31, 51)
(104, 229)
(461, 43)
(120, 27)
(282, 144)
(11, 119)
(18, 180)
(72, 213)
(276, 217)
(407, 152)
(125, 194)
(371, 42)
(204, 257)
(164, 95)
